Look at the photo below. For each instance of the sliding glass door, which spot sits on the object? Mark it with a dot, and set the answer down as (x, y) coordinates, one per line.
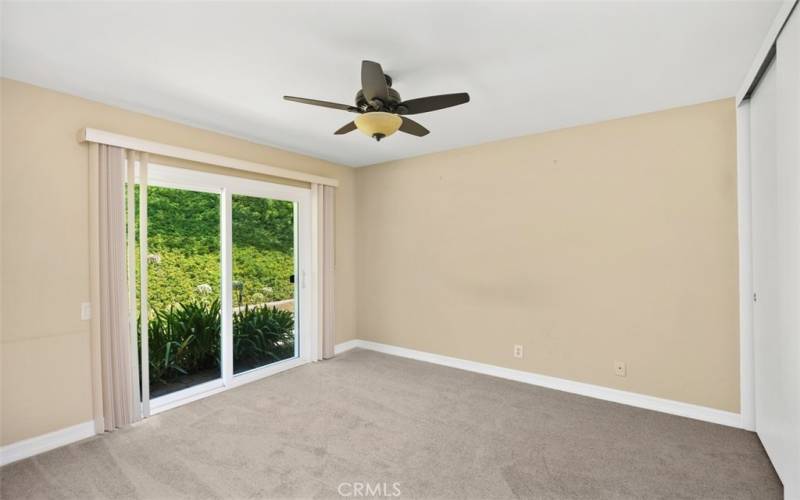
(264, 301)
(184, 288)
(226, 261)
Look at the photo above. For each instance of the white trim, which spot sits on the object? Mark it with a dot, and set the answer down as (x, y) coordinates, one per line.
(304, 256)
(46, 442)
(143, 145)
(226, 283)
(295, 300)
(183, 396)
(207, 182)
(155, 409)
(267, 370)
(133, 314)
(200, 391)
(144, 313)
(744, 207)
(760, 61)
(346, 346)
(593, 391)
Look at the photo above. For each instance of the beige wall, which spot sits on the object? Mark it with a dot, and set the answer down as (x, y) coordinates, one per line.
(612, 241)
(45, 264)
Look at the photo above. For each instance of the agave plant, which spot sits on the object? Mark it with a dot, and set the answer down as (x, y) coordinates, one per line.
(184, 339)
(262, 335)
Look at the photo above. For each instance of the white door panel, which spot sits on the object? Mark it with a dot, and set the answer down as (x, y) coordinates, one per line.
(775, 185)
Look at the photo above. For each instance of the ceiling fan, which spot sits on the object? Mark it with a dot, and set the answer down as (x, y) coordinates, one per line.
(380, 110)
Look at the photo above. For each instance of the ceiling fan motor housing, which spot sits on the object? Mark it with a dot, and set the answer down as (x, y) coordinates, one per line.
(377, 104)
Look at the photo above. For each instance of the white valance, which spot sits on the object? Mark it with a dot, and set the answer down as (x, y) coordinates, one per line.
(157, 148)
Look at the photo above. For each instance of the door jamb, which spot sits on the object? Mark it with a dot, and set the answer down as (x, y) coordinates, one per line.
(746, 308)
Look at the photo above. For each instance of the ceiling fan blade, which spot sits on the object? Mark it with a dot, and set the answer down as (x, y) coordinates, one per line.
(432, 103)
(409, 126)
(347, 128)
(373, 82)
(324, 104)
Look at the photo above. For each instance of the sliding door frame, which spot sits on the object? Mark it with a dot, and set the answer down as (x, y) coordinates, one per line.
(227, 186)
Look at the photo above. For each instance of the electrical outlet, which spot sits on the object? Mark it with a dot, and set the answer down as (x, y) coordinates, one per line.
(86, 311)
(619, 368)
(517, 351)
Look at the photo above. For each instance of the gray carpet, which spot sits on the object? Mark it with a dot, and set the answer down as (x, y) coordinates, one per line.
(438, 432)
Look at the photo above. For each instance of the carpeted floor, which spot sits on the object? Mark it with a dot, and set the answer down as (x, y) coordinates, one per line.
(369, 418)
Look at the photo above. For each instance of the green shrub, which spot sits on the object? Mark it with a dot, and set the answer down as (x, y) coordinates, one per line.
(184, 338)
(261, 334)
(259, 269)
(184, 247)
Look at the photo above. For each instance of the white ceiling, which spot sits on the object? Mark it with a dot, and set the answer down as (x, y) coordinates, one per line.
(529, 67)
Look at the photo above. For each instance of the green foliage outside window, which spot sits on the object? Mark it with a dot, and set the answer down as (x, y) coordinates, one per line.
(183, 244)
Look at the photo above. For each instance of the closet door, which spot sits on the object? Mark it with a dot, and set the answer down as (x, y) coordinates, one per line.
(763, 152)
(775, 177)
(783, 417)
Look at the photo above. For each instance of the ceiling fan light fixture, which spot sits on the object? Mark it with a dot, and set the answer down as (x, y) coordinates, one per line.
(379, 110)
(378, 124)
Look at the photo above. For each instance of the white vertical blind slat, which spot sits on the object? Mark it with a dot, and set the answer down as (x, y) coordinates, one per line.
(328, 265)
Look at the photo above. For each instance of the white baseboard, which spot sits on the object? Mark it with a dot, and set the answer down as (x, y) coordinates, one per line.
(346, 346)
(593, 391)
(46, 442)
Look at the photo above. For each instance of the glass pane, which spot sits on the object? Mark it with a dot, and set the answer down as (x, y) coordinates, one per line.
(184, 288)
(263, 289)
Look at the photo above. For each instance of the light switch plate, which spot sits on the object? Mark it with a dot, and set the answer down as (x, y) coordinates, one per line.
(86, 311)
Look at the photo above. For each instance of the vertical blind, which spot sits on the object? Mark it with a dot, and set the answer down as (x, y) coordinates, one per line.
(120, 353)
